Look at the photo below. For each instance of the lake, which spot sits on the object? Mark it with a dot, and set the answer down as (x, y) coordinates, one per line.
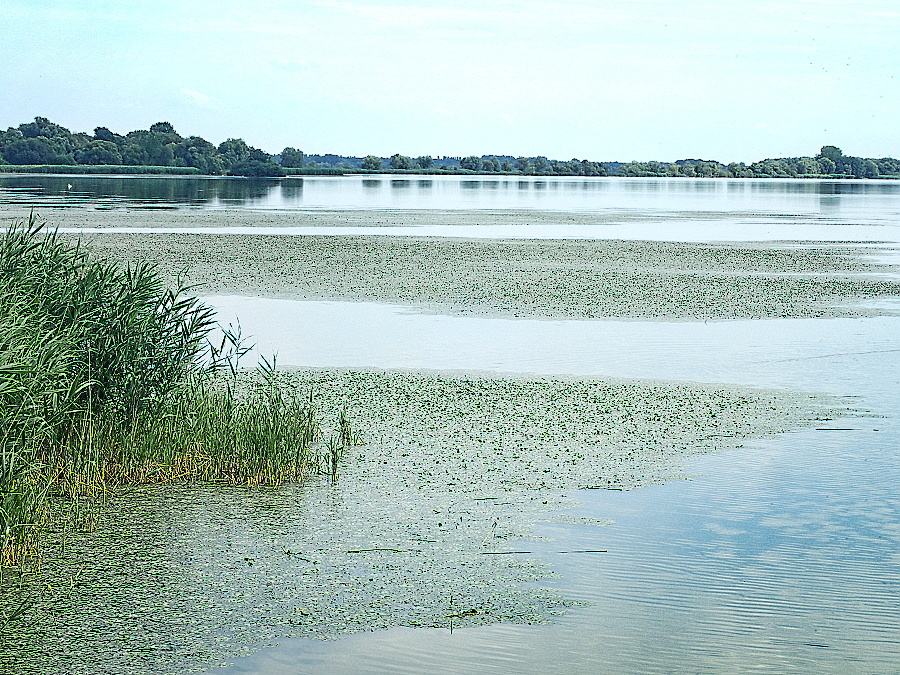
(781, 556)
(630, 208)
(865, 201)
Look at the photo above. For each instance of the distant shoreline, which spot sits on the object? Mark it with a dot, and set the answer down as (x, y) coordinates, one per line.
(119, 171)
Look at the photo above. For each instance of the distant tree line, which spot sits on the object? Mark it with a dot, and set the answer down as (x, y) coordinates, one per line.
(42, 142)
(831, 162)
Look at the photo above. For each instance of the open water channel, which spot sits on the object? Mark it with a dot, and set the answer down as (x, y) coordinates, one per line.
(781, 556)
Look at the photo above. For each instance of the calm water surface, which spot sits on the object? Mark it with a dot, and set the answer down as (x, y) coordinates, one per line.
(783, 556)
(853, 200)
(640, 208)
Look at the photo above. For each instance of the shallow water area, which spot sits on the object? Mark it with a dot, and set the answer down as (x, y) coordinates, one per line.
(686, 230)
(779, 556)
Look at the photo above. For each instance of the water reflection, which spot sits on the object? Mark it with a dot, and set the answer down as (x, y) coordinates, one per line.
(864, 201)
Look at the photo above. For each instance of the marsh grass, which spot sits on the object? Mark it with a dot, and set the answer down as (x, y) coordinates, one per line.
(108, 378)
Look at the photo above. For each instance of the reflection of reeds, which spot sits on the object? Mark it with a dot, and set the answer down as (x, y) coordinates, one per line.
(108, 378)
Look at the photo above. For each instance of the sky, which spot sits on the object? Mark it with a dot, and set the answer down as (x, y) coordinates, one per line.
(606, 80)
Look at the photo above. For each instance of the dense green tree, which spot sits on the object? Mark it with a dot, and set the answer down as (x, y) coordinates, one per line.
(371, 163)
(399, 161)
(541, 164)
(425, 162)
(99, 152)
(594, 168)
(470, 163)
(256, 168)
(740, 170)
(133, 154)
(859, 167)
(104, 134)
(199, 153)
(772, 168)
(710, 170)
(831, 152)
(42, 127)
(653, 169)
(524, 165)
(233, 151)
(292, 158)
(9, 136)
(60, 140)
(258, 155)
(807, 166)
(33, 151)
(827, 166)
(163, 128)
(157, 147)
(888, 166)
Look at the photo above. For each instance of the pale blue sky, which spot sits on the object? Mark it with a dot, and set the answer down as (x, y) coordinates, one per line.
(734, 80)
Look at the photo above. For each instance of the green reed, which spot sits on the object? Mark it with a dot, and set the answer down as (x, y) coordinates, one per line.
(107, 377)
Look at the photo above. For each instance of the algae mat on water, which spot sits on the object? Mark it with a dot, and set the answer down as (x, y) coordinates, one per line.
(538, 278)
(454, 468)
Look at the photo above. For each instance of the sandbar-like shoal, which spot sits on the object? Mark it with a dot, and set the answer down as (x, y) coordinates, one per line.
(535, 278)
(161, 217)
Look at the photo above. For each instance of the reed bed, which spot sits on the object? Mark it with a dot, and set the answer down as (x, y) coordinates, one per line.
(108, 378)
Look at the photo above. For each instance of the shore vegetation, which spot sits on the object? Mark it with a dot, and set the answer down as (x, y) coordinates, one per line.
(109, 378)
(42, 146)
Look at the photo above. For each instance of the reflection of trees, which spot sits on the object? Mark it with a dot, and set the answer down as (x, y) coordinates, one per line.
(203, 191)
(242, 190)
(292, 190)
(135, 191)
